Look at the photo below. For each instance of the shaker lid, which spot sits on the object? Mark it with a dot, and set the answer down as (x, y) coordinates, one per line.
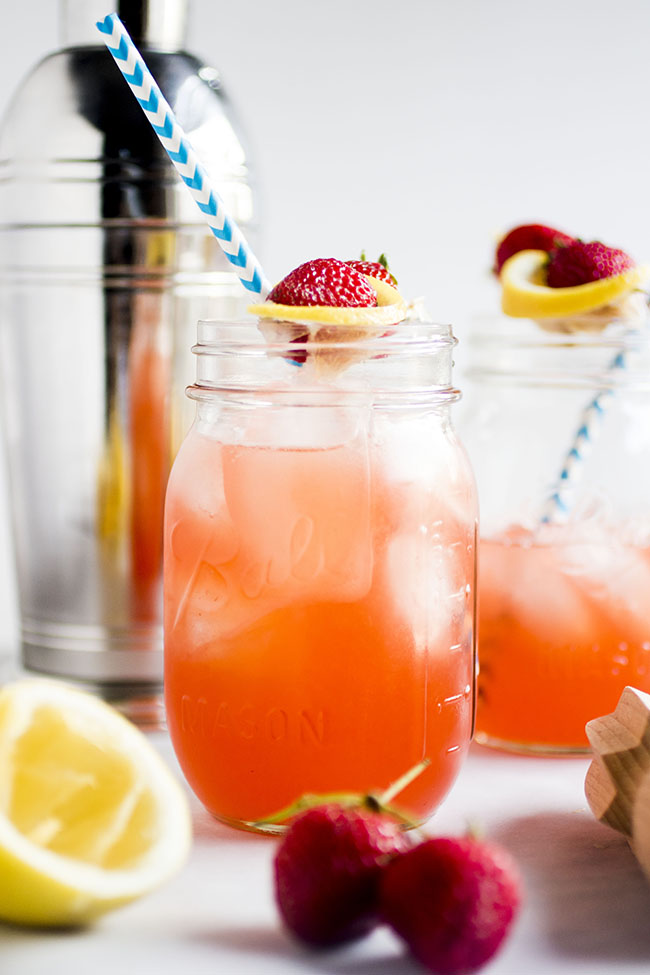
(158, 24)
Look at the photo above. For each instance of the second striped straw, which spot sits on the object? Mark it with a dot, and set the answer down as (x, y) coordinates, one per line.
(558, 504)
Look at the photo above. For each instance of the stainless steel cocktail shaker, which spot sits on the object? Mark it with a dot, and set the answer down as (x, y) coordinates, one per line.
(105, 266)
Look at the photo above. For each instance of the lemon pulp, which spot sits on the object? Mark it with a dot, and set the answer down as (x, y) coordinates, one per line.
(74, 797)
(90, 816)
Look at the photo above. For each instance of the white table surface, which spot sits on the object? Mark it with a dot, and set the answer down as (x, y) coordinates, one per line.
(587, 906)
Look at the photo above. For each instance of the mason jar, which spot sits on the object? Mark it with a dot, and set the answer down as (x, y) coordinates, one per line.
(319, 579)
(557, 426)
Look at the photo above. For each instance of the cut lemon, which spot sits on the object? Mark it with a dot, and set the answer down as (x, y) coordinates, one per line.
(90, 816)
(525, 293)
(390, 309)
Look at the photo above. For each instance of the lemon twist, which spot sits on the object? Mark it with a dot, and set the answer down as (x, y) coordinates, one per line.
(525, 293)
(389, 310)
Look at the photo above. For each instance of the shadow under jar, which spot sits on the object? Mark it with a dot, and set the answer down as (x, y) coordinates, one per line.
(558, 429)
(320, 554)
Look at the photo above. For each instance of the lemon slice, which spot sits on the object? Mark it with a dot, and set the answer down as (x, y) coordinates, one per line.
(90, 816)
(390, 309)
(526, 295)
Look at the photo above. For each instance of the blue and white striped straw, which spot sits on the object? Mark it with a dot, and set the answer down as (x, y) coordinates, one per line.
(558, 505)
(180, 151)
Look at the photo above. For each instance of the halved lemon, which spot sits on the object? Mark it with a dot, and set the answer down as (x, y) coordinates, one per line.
(90, 816)
(390, 309)
(525, 293)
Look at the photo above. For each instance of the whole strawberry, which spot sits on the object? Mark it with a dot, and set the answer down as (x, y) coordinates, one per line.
(529, 236)
(580, 262)
(324, 281)
(376, 269)
(452, 900)
(327, 871)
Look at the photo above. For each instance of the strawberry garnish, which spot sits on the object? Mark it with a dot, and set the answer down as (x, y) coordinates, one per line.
(580, 262)
(452, 900)
(324, 281)
(375, 269)
(529, 236)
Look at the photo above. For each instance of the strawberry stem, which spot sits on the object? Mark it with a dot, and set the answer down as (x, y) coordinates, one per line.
(404, 780)
(383, 260)
(309, 801)
(349, 800)
(474, 831)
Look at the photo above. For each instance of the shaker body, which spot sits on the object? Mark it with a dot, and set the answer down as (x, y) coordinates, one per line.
(104, 262)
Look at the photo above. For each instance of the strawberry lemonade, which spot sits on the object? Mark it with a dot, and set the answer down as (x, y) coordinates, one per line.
(320, 555)
(564, 627)
(560, 440)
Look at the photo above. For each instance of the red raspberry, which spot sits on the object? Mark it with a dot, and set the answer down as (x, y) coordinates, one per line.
(530, 236)
(580, 262)
(327, 871)
(452, 900)
(324, 281)
(376, 269)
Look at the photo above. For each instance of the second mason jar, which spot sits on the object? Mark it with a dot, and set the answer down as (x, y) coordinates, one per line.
(558, 430)
(319, 571)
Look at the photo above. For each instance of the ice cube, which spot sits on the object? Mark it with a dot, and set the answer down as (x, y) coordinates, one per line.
(294, 528)
(616, 579)
(426, 587)
(204, 604)
(526, 583)
(303, 519)
(213, 538)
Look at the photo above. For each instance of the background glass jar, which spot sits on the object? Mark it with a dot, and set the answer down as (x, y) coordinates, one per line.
(558, 430)
(319, 570)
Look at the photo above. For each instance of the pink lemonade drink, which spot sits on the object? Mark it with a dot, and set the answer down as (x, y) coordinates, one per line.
(563, 629)
(559, 435)
(319, 576)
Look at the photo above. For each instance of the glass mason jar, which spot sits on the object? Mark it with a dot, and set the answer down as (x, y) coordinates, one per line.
(558, 430)
(320, 547)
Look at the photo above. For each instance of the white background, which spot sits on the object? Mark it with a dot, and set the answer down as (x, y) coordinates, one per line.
(422, 128)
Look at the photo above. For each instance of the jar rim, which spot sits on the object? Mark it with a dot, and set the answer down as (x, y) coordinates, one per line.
(525, 333)
(406, 338)
(519, 352)
(409, 362)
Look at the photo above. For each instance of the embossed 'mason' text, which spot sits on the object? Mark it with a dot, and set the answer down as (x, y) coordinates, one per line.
(303, 726)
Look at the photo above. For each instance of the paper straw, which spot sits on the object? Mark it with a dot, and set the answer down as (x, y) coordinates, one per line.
(558, 505)
(180, 151)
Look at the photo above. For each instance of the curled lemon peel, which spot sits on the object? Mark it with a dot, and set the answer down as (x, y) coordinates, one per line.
(525, 294)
